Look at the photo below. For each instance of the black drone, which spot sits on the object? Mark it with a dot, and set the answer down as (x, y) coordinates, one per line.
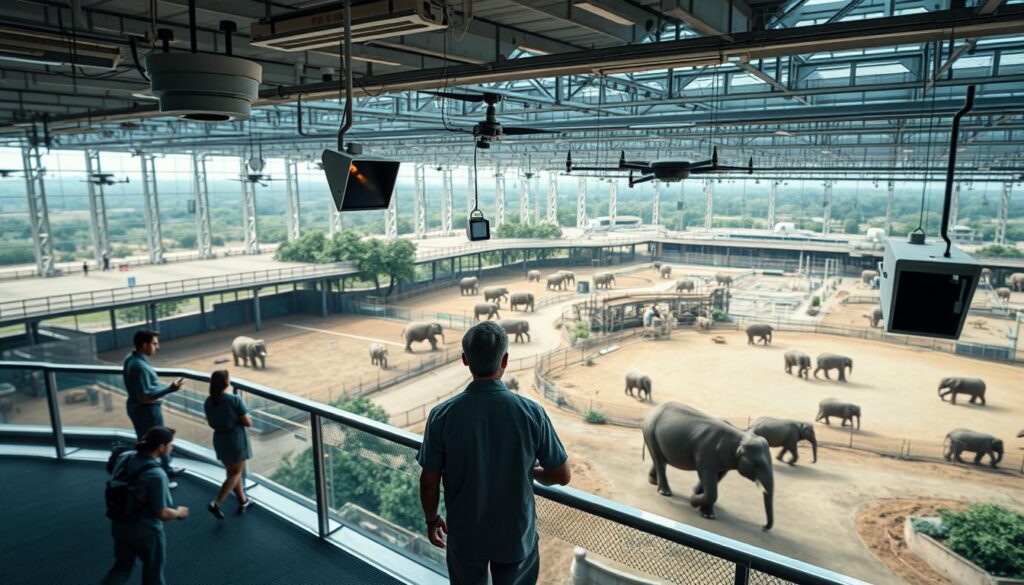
(104, 179)
(667, 171)
(488, 129)
(259, 178)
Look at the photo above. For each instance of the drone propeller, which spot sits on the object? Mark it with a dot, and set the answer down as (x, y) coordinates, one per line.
(490, 98)
(520, 130)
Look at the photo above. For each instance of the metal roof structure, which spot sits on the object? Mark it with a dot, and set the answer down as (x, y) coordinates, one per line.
(817, 84)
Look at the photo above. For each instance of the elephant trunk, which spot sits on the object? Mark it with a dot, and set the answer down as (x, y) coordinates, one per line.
(814, 450)
(998, 454)
(767, 486)
(851, 366)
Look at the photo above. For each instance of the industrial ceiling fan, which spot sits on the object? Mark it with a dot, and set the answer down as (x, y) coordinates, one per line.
(666, 171)
(488, 129)
(104, 179)
(258, 178)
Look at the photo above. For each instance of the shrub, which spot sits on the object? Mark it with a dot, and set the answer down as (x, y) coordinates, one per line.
(588, 362)
(580, 331)
(933, 527)
(719, 315)
(989, 535)
(595, 417)
(1002, 251)
(558, 323)
(815, 301)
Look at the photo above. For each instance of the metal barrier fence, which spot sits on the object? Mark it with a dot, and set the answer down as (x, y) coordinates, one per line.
(370, 307)
(366, 385)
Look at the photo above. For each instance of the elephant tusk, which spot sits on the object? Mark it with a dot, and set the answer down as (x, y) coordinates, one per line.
(760, 486)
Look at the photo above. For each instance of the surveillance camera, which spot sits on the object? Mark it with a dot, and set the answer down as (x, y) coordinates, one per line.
(477, 227)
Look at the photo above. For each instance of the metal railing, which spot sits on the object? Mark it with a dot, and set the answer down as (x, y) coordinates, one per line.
(645, 542)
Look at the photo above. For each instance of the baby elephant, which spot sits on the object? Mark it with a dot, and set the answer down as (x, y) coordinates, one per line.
(489, 309)
(642, 383)
(702, 323)
(533, 276)
(801, 360)
(981, 444)
(973, 387)
(665, 272)
(512, 384)
(517, 328)
(786, 434)
(844, 410)
(831, 361)
(1003, 293)
(762, 331)
(379, 355)
(249, 350)
(875, 317)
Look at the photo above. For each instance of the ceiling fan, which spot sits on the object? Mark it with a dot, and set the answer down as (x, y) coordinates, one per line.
(488, 129)
(666, 171)
(4, 173)
(104, 179)
(259, 178)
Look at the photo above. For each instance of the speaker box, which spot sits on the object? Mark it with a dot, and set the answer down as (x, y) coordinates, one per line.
(358, 182)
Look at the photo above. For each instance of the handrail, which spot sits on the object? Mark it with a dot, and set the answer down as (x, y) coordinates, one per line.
(746, 557)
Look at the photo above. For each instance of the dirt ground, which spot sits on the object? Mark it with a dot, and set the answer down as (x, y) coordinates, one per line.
(314, 357)
(895, 386)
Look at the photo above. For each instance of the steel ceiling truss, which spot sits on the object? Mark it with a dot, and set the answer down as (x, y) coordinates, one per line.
(39, 216)
(154, 234)
(97, 207)
(201, 205)
(291, 186)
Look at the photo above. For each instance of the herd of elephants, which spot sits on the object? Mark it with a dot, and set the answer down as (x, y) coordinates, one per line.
(683, 437)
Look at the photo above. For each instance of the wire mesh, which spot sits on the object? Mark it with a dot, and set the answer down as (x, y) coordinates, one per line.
(759, 578)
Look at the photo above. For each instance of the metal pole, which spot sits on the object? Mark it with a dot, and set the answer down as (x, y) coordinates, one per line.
(152, 207)
(709, 205)
(419, 188)
(656, 204)
(256, 309)
(39, 215)
(1004, 209)
(97, 206)
(320, 476)
(291, 183)
(826, 204)
(201, 196)
(447, 202)
(54, 406)
(499, 187)
(889, 207)
(773, 188)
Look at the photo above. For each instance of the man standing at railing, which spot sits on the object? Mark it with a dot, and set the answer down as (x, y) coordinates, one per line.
(144, 391)
(488, 445)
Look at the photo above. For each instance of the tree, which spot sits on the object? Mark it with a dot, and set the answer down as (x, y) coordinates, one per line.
(372, 262)
(400, 262)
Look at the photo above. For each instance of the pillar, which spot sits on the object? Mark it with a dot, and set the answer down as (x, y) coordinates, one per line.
(31, 330)
(553, 198)
(773, 189)
(656, 204)
(446, 202)
(154, 321)
(524, 200)
(39, 216)
(324, 284)
(291, 184)
(889, 207)
(154, 235)
(581, 203)
(499, 189)
(256, 317)
(201, 202)
(113, 326)
(1004, 209)
(252, 244)
(419, 190)
(826, 209)
(202, 313)
(97, 207)
(709, 209)
(613, 202)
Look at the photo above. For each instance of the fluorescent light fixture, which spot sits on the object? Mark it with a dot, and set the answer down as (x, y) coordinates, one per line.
(781, 132)
(376, 60)
(535, 50)
(826, 151)
(605, 13)
(661, 125)
(908, 150)
(46, 49)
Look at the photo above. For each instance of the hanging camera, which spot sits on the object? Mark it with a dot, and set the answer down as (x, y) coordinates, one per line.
(478, 227)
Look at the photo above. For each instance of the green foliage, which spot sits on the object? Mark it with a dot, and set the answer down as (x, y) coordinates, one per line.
(999, 251)
(933, 527)
(120, 252)
(24, 255)
(356, 474)
(394, 260)
(558, 324)
(137, 313)
(851, 225)
(595, 417)
(990, 535)
(815, 301)
(519, 230)
(580, 330)
(719, 315)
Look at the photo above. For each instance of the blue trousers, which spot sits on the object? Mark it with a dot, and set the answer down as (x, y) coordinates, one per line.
(471, 572)
(131, 542)
(145, 417)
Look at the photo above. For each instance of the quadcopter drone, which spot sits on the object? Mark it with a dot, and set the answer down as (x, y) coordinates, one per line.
(489, 129)
(104, 179)
(666, 171)
(257, 178)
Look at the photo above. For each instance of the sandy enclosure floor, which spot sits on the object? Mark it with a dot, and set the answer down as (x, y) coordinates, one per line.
(312, 357)
(895, 386)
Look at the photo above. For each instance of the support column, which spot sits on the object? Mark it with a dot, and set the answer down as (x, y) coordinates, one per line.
(202, 313)
(97, 207)
(433, 270)
(256, 309)
(113, 326)
(889, 207)
(421, 200)
(581, 203)
(499, 189)
(39, 215)
(553, 198)
(773, 189)
(154, 320)
(826, 209)
(291, 184)
(447, 204)
(154, 235)
(524, 200)
(31, 329)
(391, 218)
(613, 202)
(709, 208)
(252, 243)
(656, 204)
(954, 207)
(324, 286)
(1004, 209)
(201, 198)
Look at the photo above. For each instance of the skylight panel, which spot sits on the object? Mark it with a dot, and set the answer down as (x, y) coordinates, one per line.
(973, 62)
(837, 72)
(882, 69)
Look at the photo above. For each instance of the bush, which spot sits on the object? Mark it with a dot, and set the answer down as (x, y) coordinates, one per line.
(933, 527)
(579, 331)
(519, 230)
(1000, 251)
(815, 301)
(595, 417)
(719, 315)
(989, 535)
(558, 323)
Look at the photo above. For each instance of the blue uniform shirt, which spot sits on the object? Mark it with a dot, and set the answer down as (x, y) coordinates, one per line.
(140, 379)
(226, 415)
(154, 482)
(485, 442)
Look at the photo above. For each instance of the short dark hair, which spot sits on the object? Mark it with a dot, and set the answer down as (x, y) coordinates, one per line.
(484, 345)
(143, 336)
(154, 438)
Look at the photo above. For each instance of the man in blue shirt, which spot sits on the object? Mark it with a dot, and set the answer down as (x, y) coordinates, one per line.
(143, 537)
(144, 391)
(488, 445)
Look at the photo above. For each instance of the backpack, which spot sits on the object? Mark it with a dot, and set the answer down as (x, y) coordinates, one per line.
(124, 498)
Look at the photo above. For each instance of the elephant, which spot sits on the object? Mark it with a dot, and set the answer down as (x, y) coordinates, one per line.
(684, 285)
(973, 387)
(533, 276)
(981, 444)
(512, 384)
(866, 276)
(875, 317)
(556, 282)
(1003, 293)
(489, 309)
(469, 286)
(1016, 281)
(801, 360)
(834, 407)
(521, 298)
(685, 438)
(604, 280)
(762, 331)
(569, 276)
(831, 361)
(665, 272)
(723, 279)
(516, 327)
(702, 323)
(495, 293)
(640, 381)
(420, 331)
(786, 433)
(379, 355)
(249, 350)
(986, 275)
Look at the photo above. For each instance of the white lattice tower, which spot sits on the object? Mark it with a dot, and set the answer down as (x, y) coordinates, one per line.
(97, 207)
(613, 202)
(709, 206)
(154, 235)
(889, 207)
(471, 193)
(201, 196)
(553, 198)
(447, 203)
(252, 242)
(656, 204)
(39, 215)
(581, 203)
(420, 191)
(1004, 210)
(524, 200)
(954, 207)
(291, 185)
(391, 217)
(773, 191)
(499, 189)
(826, 205)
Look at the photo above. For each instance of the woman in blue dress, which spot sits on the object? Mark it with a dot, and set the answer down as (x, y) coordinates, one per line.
(228, 416)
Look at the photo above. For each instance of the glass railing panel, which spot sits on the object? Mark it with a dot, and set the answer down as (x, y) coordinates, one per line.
(92, 400)
(282, 448)
(183, 412)
(373, 487)
(23, 398)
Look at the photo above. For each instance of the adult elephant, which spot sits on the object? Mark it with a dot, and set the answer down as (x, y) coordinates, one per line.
(517, 328)
(520, 299)
(1003, 293)
(250, 350)
(1016, 281)
(831, 361)
(489, 309)
(830, 407)
(469, 286)
(786, 433)
(420, 331)
(986, 275)
(665, 272)
(875, 317)
(801, 360)
(533, 276)
(762, 331)
(556, 282)
(495, 293)
(973, 387)
(981, 444)
(686, 438)
(568, 276)
(640, 381)
(721, 278)
(604, 280)
(866, 276)
(684, 285)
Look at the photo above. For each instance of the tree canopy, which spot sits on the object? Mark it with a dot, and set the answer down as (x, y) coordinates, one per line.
(375, 258)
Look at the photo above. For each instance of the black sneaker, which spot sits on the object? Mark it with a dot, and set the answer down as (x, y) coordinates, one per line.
(244, 506)
(215, 510)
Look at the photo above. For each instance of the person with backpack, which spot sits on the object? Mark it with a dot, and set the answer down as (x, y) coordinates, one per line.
(138, 504)
(228, 416)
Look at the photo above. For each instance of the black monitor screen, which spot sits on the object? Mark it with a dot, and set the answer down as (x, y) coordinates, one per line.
(370, 184)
